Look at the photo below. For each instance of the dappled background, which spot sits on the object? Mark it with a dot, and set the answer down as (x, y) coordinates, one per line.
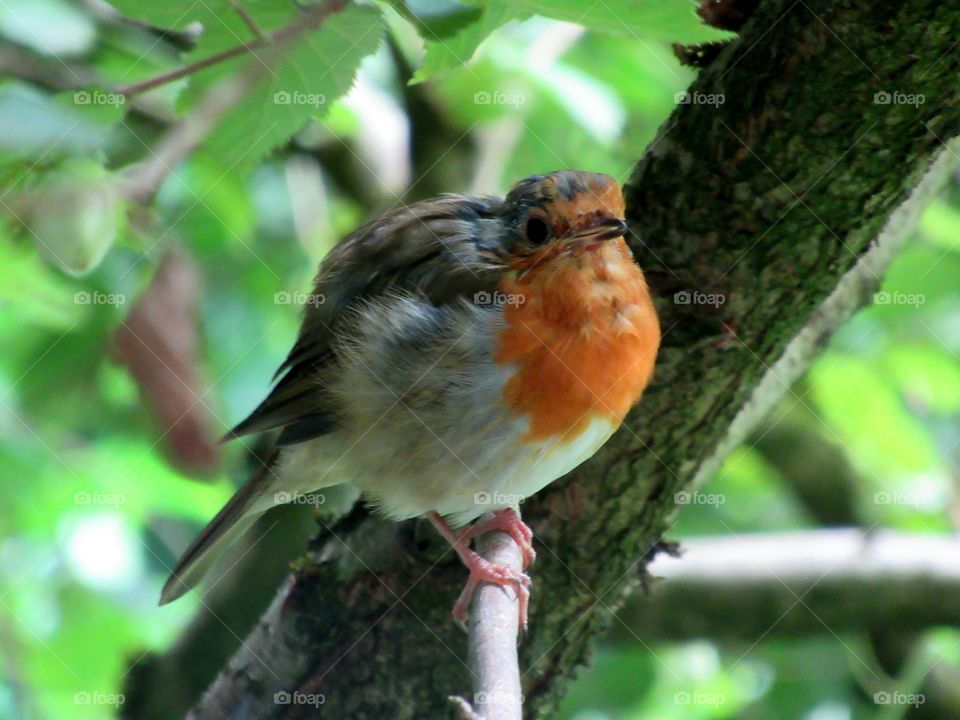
(113, 280)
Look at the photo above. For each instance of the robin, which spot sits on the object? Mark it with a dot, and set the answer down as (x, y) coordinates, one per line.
(457, 355)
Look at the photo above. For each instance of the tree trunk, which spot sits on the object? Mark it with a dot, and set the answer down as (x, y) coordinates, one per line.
(763, 202)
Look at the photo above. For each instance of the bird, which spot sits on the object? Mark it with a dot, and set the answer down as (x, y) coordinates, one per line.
(455, 357)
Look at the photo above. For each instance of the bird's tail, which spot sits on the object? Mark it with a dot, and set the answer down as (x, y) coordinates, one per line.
(249, 502)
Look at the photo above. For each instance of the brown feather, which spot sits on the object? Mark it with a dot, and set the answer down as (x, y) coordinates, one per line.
(229, 523)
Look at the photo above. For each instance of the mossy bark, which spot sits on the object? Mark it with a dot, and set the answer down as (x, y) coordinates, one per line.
(767, 199)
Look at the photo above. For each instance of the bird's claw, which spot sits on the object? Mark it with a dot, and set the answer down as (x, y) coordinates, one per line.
(507, 521)
(481, 571)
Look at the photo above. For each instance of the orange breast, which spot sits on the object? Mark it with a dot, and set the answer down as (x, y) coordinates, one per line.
(583, 335)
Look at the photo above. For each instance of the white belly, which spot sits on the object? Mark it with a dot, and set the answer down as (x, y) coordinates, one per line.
(557, 458)
(531, 468)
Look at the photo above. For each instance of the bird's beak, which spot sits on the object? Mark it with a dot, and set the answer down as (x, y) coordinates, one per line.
(601, 228)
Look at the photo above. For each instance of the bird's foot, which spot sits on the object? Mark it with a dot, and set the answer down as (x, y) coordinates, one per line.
(509, 522)
(485, 571)
(482, 570)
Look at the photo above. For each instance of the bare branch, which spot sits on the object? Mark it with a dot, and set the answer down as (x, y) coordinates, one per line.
(492, 646)
(248, 19)
(796, 584)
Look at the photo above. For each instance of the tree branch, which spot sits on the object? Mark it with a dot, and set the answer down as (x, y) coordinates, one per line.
(796, 584)
(492, 645)
(854, 291)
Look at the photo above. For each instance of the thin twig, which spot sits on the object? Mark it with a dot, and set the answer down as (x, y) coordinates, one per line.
(144, 85)
(492, 644)
(308, 21)
(248, 19)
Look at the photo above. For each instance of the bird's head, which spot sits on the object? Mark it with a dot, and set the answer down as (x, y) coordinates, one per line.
(566, 212)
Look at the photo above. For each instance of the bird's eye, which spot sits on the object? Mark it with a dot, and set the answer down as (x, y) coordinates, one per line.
(537, 231)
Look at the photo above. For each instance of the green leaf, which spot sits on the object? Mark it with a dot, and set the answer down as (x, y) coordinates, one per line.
(178, 14)
(446, 53)
(439, 18)
(316, 70)
(663, 21)
(312, 71)
(666, 20)
(224, 27)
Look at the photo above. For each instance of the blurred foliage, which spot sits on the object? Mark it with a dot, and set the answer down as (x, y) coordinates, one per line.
(92, 509)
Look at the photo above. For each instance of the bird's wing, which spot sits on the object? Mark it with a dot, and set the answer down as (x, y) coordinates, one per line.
(444, 249)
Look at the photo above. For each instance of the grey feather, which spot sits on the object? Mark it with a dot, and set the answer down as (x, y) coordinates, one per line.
(443, 249)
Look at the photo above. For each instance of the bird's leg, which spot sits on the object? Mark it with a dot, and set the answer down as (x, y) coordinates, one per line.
(481, 570)
(508, 521)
